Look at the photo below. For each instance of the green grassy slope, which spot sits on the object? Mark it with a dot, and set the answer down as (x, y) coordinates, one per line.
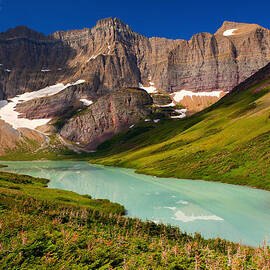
(43, 228)
(228, 142)
(54, 151)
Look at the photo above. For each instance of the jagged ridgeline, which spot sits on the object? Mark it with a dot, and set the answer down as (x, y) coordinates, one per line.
(111, 56)
(182, 77)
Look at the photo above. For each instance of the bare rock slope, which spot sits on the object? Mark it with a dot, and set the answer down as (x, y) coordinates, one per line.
(111, 56)
(108, 116)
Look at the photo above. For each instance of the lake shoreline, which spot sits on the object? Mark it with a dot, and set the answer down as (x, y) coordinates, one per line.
(188, 179)
(180, 203)
(135, 171)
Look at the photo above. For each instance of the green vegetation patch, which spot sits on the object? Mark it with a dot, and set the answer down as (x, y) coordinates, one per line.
(71, 231)
(22, 179)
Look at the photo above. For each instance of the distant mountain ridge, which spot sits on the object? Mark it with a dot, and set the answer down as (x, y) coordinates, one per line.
(111, 57)
(114, 56)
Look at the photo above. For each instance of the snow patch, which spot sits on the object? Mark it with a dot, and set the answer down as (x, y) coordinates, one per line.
(181, 216)
(229, 32)
(132, 126)
(8, 111)
(181, 112)
(7, 70)
(149, 89)
(95, 56)
(156, 120)
(178, 96)
(168, 105)
(178, 116)
(86, 102)
(147, 120)
(45, 70)
(78, 82)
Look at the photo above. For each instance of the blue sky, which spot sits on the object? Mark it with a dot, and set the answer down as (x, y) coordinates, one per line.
(168, 18)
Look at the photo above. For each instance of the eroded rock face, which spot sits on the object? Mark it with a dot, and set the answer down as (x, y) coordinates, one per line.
(31, 61)
(108, 116)
(263, 75)
(111, 56)
(219, 62)
(64, 102)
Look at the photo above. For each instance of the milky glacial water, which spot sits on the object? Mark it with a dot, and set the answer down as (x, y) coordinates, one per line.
(213, 209)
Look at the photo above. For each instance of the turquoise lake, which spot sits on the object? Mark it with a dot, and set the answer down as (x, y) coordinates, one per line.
(213, 209)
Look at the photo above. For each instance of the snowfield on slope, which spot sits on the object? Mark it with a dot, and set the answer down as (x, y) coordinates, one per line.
(229, 32)
(8, 109)
(86, 102)
(181, 112)
(178, 96)
(149, 89)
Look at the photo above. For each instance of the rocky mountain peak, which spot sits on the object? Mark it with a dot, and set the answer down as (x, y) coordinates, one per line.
(102, 26)
(113, 29)
(22, 31)
(110, 22)
(229, 28)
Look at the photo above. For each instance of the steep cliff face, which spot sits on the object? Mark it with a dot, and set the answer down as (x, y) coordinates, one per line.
(30, 61)
(111, 56)
(108, 116)
(219, 61)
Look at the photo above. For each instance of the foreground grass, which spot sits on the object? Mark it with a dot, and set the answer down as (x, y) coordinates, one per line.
(228, 142)
(43, 228)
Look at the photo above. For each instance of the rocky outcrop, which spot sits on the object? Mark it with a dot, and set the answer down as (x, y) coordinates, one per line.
(64, 102)
(161, 99)
(108, 116)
